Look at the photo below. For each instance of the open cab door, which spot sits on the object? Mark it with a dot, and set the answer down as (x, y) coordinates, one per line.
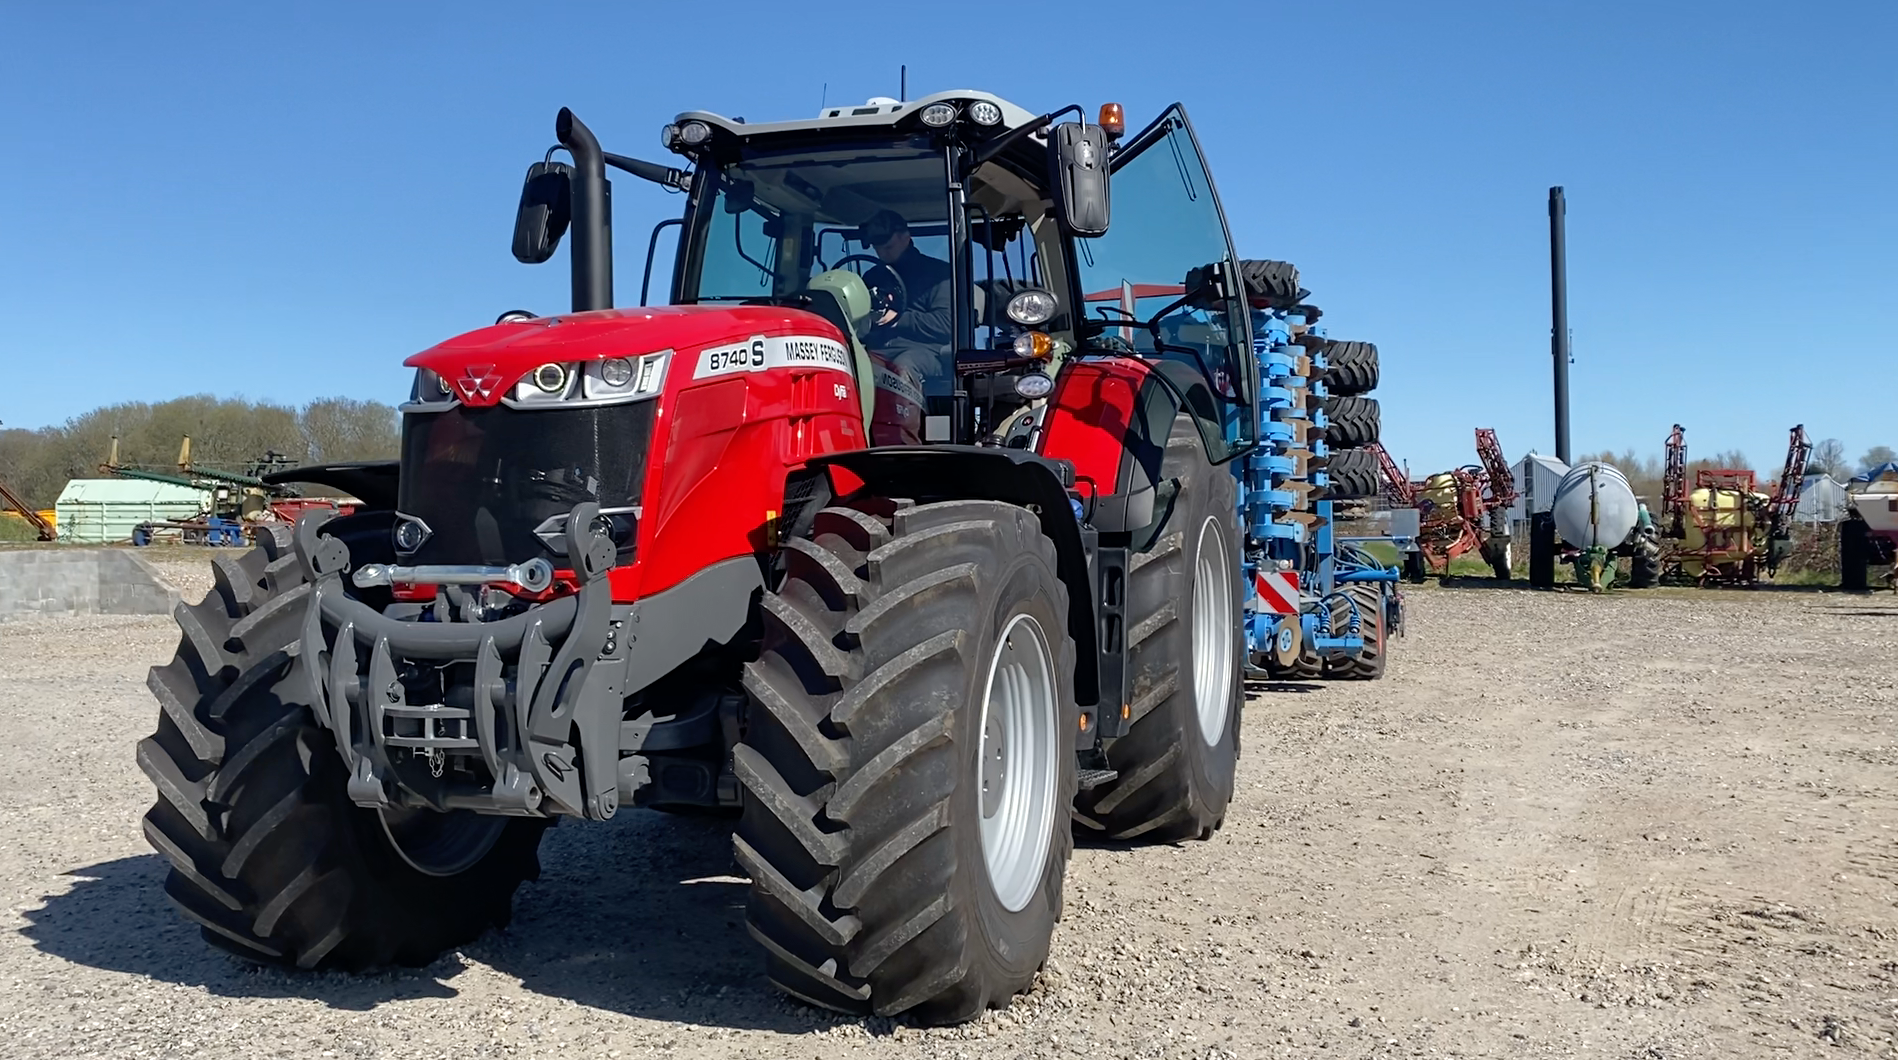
(1163, 283)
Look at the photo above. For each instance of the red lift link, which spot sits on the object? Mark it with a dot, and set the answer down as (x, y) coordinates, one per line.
(1792, 482)
(1674, 485)
(1398, 488)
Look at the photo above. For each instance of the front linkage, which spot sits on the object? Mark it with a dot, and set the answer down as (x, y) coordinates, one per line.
(533, 686)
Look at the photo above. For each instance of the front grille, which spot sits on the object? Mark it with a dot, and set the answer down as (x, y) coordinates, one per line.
(484, 479)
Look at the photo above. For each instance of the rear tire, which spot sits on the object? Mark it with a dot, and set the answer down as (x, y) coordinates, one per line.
(1498, 552)
(1644, 567)
(1368, 664)
(1177, 760)
(1354, 475)
(1351, 421)
(878, 885)
(268, 854)
(1416, 568)
(1542, 550)
(1854, 555)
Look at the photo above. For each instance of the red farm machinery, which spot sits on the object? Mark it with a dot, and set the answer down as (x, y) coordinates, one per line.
(1725, 530)
(876, 536)
(1459, 512)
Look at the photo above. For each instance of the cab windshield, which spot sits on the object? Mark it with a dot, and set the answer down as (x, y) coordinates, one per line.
(763, 226)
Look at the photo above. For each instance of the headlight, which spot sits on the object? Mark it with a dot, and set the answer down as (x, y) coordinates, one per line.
(694, 133)
(1031, 308)
(546, 385)
(429, 392)
(937, 115)
(1034, 385)
(982, 112)
(624, 378)
(616, 371)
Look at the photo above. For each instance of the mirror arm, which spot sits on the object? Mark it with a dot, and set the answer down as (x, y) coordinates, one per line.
(1013, 136)
(664, 176)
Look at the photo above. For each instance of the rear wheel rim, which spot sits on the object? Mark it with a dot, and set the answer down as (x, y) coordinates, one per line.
(1018, 760)
(440, 844)
(1212, 632)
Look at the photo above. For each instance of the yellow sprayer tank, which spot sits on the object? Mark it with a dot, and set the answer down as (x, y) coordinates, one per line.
(1723, 526)
(1440, 491)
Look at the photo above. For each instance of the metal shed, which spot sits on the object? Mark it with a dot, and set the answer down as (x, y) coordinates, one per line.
(1821, 500)
(100, 511)
(1536, 478)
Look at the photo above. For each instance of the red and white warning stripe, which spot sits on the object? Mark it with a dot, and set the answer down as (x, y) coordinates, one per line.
(1277, 592)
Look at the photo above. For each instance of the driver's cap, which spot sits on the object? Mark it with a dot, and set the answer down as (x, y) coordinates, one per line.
(880, 227)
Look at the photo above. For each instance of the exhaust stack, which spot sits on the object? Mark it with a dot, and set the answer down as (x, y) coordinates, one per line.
(591, 252)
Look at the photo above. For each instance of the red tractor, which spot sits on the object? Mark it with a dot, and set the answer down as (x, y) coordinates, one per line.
(657, 557)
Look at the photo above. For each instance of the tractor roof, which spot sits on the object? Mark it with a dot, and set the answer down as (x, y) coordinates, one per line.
(870, 115)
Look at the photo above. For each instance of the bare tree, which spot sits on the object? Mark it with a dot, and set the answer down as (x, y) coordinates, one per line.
(1876, 456)
(1828, 458)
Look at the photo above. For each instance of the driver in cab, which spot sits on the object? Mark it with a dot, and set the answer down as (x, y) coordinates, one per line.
(911, 322)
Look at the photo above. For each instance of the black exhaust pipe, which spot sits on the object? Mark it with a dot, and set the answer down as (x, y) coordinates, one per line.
(1558, 307)
(591, 251)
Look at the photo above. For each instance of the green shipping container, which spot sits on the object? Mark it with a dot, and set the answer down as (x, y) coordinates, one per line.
(103, 511)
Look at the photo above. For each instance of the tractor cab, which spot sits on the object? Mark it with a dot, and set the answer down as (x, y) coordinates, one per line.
(959, 244)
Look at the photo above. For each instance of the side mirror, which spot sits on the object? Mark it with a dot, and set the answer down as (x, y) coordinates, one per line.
(1077, 164)
(546, 208)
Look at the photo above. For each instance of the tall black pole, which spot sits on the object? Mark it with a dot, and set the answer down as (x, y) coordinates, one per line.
(1558, 304)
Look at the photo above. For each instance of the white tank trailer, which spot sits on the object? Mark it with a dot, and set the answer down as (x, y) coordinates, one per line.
(1594, 519)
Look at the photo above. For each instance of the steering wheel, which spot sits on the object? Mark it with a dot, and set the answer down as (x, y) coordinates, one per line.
(896, 299)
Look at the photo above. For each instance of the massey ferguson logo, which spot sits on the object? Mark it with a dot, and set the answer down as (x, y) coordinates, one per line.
(478, 382)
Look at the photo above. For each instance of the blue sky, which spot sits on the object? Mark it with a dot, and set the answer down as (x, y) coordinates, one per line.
(283, 201)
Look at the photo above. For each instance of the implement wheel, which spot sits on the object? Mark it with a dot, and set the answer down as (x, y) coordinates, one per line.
(1184, 644)
(268, 854)
(1368, 664)
(908, 759)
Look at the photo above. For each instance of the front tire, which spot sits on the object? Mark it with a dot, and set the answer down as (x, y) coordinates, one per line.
(912, 656)
(1176, 762)
(268, 854)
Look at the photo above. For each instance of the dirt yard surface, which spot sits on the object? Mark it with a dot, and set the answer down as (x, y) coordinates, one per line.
(1645, 826)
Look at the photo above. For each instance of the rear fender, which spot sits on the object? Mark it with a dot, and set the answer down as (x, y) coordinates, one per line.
(1110, 418)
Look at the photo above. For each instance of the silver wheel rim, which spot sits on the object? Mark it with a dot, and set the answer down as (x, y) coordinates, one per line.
(1212, 632)
(1018, 758)
(440, 844)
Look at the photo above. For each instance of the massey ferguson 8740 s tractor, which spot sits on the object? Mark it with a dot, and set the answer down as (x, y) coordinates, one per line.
(695, 557)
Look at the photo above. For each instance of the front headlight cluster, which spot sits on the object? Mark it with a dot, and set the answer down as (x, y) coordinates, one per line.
(604, 382)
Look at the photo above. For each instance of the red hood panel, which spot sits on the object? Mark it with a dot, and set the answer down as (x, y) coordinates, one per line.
(513, 349)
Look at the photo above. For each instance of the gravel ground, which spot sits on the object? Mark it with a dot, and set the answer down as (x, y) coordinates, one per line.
(1643, 826)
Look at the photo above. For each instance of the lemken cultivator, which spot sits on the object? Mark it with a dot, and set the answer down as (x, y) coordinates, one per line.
(876, 535)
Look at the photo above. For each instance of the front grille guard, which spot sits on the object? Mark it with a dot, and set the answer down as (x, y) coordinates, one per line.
(542, 713)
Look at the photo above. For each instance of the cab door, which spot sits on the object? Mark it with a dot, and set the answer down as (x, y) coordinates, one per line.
(1163, 283)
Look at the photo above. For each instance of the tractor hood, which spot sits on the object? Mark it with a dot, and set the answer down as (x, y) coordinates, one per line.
(484, 365)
